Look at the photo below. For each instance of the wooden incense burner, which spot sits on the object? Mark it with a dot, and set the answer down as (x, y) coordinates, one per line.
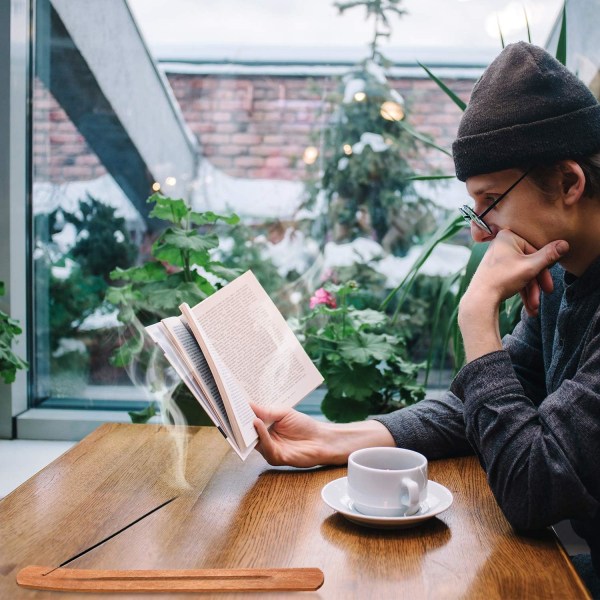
(175, 580)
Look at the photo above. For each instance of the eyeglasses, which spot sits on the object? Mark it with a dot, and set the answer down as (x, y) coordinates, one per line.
(471, 216)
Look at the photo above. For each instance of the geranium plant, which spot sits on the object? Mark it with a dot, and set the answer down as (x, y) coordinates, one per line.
(360, 355)
(181, 268)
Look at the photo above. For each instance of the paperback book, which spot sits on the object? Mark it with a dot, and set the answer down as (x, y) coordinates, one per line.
(234, 348)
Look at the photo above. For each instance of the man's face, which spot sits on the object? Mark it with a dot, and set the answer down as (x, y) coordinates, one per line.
(524, 210)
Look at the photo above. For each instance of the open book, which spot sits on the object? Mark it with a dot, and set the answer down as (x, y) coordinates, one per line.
(233, 348)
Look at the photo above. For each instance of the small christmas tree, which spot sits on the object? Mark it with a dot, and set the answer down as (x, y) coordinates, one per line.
(363, 171)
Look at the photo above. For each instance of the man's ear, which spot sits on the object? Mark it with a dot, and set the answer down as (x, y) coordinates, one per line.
(572, 181)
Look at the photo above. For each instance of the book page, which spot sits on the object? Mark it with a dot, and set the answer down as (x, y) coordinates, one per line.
(183, 337)
(254, 350)
(159, 334)
(182, 365)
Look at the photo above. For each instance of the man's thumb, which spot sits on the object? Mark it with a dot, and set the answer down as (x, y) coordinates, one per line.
(552, 253)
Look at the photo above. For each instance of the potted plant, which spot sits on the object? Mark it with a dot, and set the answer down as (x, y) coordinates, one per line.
(361, 356)
(181, 268)
(10, 363)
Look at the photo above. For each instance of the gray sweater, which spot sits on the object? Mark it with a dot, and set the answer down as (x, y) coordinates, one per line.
(530, 412)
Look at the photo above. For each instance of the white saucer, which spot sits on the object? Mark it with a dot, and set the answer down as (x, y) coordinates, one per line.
(336, 496)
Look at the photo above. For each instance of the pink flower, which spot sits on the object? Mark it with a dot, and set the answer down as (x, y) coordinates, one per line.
(323, 297)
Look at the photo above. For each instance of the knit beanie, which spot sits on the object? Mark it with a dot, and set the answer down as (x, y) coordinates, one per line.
(526, 109)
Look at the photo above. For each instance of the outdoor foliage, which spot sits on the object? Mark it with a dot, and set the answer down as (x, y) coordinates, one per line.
(247, 252)
(102, 239)
(365, 146)
(181, 268)
(361, 356)
(79, 278)
(9, 331)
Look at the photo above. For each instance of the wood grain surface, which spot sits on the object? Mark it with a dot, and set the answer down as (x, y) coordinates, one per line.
(234, 515)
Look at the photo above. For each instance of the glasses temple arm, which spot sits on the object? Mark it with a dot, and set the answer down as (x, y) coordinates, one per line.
(502, 196)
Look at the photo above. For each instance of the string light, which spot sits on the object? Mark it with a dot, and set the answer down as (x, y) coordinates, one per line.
(156, 186)
(170, 181)
(360, 96)
(310, 155)
(347, 149)
(391, 111)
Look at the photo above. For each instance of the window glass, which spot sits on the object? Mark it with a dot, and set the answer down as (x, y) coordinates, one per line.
(313, 149)
(84, 225)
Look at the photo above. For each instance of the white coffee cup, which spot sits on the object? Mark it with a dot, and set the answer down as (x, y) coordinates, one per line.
(387, 482)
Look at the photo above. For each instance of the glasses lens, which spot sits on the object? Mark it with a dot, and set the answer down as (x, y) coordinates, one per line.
(470, 216)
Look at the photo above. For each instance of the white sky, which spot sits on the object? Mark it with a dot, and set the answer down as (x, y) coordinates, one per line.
(197, 24)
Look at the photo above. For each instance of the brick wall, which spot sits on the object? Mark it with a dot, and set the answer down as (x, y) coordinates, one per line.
(259, 127)
(251, 127)
(59, 152)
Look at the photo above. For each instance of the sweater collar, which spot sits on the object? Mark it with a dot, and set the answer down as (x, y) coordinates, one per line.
(582, 286)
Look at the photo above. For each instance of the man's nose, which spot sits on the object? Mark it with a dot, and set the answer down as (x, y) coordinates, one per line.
(479, 235)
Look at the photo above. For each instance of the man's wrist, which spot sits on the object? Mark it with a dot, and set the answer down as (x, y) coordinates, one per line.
(478, 323)
(342, 439)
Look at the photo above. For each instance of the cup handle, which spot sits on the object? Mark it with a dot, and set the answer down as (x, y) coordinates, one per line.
(413, 496)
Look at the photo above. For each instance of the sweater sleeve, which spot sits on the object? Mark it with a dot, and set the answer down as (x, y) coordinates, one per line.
(541, 461)
(433, 427)
(524, 345)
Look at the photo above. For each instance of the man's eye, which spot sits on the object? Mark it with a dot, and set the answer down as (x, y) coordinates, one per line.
(490, 199)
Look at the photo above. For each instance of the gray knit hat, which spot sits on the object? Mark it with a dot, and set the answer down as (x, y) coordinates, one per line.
(526, 109)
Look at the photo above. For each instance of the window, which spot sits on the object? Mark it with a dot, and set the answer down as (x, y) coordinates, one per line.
(85, 223)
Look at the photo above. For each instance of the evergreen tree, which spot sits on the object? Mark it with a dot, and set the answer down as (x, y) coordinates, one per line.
(364, 171)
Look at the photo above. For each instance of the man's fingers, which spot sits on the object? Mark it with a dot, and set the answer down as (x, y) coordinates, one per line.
(525, 299)
(265, 444)
(548, 255)
(544, 280)
(267, 414)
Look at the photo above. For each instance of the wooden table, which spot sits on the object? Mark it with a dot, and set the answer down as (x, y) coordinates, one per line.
(234, 514)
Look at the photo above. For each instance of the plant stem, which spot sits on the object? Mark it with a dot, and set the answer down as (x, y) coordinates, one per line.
(344, 311)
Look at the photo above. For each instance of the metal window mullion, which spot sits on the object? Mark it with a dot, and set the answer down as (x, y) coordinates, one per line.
(14, 153)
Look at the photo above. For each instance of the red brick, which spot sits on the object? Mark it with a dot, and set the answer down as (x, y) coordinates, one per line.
(260, 150)
(248, 161)
(276, 162)
(246, 138)
(214, 138)
(231, 150)
(221, 116)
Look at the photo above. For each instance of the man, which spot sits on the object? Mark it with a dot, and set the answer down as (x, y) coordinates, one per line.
(529, 406)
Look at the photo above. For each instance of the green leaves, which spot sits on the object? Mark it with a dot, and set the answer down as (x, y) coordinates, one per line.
(143, 416)
(460, 103)
(361, 355)
(182, 247)
(10, 363)
(346, 411)
(178, 212)
(168, 209)
(180, 257)
(561, 50)
(151, 271)
(363, 348)
(367, 317)
(210, 218)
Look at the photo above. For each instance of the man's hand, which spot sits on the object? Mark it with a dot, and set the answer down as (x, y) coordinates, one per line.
(298, 440)
(513, 265)
(293, 439)
(510, 265)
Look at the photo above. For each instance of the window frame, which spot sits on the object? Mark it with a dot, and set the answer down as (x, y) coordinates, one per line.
(14, 173)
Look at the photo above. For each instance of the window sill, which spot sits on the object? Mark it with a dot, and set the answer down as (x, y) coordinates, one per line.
(74, 424)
